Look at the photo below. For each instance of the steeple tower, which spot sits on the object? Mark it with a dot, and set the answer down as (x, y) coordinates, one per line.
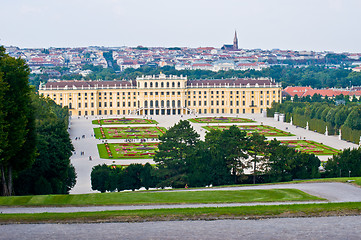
(235, 41)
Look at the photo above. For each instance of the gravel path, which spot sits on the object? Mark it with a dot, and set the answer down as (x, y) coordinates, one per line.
(333, 192)
(331, 228)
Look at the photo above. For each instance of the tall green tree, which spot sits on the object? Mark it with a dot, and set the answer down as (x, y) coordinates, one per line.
(18, 146)
(54, 150)
(346, 163)
(101, 178)
(230, 146)
(175, 149)
(258, 152)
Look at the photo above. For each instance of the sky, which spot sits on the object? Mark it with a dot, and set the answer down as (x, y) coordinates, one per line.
(317, 25)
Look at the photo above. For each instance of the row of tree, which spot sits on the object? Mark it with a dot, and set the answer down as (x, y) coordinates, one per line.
(321, 114)
(34, 143)
(314, 76)
(134, 176)
(183, 159)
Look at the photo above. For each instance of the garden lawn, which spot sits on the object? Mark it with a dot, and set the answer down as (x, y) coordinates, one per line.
(261, 129)
(220, 120)
(207, 213)
(157, 197)
(128, 132)
(310, 147)
(127, 150)
(110, 121)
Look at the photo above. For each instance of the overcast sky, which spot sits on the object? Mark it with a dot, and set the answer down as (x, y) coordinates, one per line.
(332, 25)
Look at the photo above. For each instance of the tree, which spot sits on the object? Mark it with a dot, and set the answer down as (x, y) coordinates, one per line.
(353, 120)
(229, 146)
(147, 176)
(100, 178)
(54, 150)
(207, 167)
(131, 179)
(258, 152)
(18, 146)
(175, 148)
(281, 160)
(345, 163)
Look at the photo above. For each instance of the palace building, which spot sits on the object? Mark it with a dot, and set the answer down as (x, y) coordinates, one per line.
(164, 95)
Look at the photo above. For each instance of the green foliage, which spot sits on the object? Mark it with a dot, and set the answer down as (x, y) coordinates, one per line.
(54, 149)
(100, 179)
(320, 115)
(17, 149)
(285, 164)
(353, 120)
(175, 149)
(106, 178)
(344, 164)
(351, 134)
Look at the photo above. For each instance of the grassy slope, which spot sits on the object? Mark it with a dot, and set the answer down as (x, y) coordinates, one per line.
(252, 212)
(154, 197)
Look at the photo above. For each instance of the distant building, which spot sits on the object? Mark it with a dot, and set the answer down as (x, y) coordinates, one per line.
(329, 92)
(164, 95)
(357, 69)
(232, 47)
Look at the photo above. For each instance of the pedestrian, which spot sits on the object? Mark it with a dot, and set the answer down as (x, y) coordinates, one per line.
(90, 158)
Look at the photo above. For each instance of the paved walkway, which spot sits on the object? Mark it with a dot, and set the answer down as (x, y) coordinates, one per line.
(332, 192)
(83, 126)
(330, 228)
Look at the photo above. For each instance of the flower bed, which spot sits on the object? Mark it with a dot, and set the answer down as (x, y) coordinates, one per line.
(310, 147)
(220, 120)
(127, 151)
(110, 121)
(129, 132)
(261, 129)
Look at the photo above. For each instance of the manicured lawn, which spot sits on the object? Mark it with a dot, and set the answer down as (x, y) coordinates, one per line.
(261, 129)
(110, 121)
(220, 120)
(356, 180)
(127, 150)
(156, 197)
(308, 146)
(128, 132)
(208, 213)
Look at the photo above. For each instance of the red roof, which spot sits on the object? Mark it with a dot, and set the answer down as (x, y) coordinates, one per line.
(292, 91)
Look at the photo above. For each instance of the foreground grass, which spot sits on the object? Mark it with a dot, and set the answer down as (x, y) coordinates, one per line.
(356, 181)
(246, 212)
(154, 197)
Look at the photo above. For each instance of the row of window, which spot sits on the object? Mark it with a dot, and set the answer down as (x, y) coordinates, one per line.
(169, 103)
(156, 93)
(222, 103)
(161, 84)
(230, 92)
(162, 102)
(163, 112)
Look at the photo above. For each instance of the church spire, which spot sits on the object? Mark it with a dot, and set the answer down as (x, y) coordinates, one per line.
(235, 41)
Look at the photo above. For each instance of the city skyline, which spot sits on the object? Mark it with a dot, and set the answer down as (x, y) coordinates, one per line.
(325, 25)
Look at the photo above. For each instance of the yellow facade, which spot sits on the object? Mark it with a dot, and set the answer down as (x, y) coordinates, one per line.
(164, 95)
